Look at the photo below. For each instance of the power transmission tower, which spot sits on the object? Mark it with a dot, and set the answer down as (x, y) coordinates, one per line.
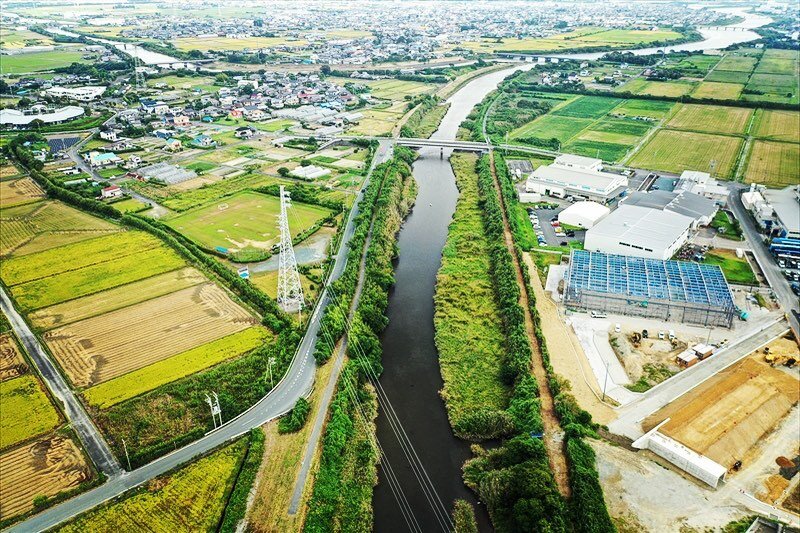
(290, 291)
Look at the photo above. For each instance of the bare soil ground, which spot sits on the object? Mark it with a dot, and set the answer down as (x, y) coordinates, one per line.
(727, 415)
(43, 468)
(553, 439)
(100, 348)
(566, 354)
(11, 362)
(652, 359)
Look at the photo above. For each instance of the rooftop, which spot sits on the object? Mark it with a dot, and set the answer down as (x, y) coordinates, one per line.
(18, 118)
(588, 180)
(685, 203)
(786, 204)
(636, 224)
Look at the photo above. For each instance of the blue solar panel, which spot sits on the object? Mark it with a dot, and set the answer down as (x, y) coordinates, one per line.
(644, 279)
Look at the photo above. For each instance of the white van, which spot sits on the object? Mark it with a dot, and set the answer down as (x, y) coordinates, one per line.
(661, 335)
(671, 334)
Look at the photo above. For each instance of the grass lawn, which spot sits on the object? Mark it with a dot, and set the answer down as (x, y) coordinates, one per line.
(37, 61)
(658, 88)
(200, 166)
(27, 411)
(710, 118)
(676, 151)
(737, 271)
(543, 260)
(468, 323)
(643, 108)
(777, 125)
(130, 205)
(719, 90)
(244, 220)
(774, 164)
(730, 227)
(178, 366)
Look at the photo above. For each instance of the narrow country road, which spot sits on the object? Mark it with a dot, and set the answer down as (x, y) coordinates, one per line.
(90, 437)
(297, 383)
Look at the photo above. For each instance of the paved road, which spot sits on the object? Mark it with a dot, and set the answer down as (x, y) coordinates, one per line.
(297, 382)
(630, 416)
(92, 440)
(383, 153)
(768, 265)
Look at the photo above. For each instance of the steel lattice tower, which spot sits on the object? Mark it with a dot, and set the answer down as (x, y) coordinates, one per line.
(290, 291)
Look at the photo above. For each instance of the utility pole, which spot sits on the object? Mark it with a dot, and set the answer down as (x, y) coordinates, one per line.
(213, 404)
(125, 446)
(290, 291)
(605, 382)
(270, 362)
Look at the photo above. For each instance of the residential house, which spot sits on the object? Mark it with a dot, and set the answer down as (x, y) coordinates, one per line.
(173, 145)
(101, 160)
(111, 191)
(204, 141)
(245, 132)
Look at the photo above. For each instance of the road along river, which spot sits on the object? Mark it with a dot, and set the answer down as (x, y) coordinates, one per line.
(411, 376)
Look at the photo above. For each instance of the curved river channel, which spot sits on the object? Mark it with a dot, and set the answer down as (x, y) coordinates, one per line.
(411, 377)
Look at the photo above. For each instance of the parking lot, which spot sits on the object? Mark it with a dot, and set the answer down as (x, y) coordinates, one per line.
(548, 234)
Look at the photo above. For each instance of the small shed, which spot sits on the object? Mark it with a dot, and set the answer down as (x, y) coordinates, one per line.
(583, 214)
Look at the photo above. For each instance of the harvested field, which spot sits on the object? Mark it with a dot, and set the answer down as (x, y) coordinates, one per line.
(8, 170)
(20, 191)
(27, 411)
(43, 468)
(777, 125)
(658, 88)
(116, 298)
(38, 226)
(189, 500)
(725, 416)
(774, 164)
(176, 367)
(11, 362)
(710, 118)
(110, 345)
(719, 90)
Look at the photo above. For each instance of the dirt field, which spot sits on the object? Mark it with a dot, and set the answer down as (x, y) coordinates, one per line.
(14, 192)
(566, 354)
(725, 416)
(648, 363)
(100, 348)
(11, 362)
(45, 468)
(117, 298)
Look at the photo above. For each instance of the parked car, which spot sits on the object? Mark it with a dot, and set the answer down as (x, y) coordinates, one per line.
(570, 233)
(617, 328)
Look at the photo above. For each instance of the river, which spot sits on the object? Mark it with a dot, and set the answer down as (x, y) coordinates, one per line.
(411, 377)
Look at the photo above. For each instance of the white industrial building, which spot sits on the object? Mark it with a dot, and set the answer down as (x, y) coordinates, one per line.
(16, 118)
(786, 205)
(583, 214)
(691, 462)
(699, 208)
(640, 232)
(703, 184)
(580, 177)
(81, 94)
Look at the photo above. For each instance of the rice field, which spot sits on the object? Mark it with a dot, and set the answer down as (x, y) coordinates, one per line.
(189, 500)
(94, 278)
(588, 107)
(19, 191)
(774, 164)
(549, 126)
(728, 76)
(676, 151)
(576, 39)
(12, 364)
(718, 90)
(38, 61)
(107, 346)
(654, 109)
(115, 298)
(176, 367)
(658, 88)
(737, 63)
(710, 118)
(27, 411)
(777, 125)
(45, 467)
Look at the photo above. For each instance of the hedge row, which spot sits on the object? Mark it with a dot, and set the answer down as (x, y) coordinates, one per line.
(295, 419)
(236, 507)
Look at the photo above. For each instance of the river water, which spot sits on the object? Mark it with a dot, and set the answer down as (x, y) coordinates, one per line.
(411, 377)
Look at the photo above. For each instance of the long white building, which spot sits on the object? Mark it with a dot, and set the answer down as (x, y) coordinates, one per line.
(577, 176)
(80, 94)
(16, 119)
(640, 232)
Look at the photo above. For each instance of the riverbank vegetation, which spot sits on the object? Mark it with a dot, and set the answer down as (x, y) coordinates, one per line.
(425, 120)
(342, 495)
(469, 337)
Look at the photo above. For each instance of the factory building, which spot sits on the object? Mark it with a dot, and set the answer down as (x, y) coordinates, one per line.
(640, 232)
(18, 119)
(699, 208)
(583, 214)
(671, 291)
(576, 176)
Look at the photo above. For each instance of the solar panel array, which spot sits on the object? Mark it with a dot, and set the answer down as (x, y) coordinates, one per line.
(675, 281)
(62, 143)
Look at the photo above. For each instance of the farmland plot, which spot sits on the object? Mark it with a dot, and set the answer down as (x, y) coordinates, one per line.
(116, 298)
(777, 125)
(190, 500)
(710, 118)
(19, 191)
(43, 468)
(774, 164)
(27, 411)
(653, 109)
(719, 90)
(11, 362)
(737, 63)
(588, 107)
(676, 151)
(101, 348)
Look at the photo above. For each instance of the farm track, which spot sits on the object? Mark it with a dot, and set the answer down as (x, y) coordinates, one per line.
(553, 434)
(110, 345)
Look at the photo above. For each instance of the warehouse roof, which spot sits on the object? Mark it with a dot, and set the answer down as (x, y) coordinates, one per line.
(637, 277)
(683, 202)
(572, 160)
(589, 180)
(18, 118)
(786, 204)
(634, 224)
(589, 210)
